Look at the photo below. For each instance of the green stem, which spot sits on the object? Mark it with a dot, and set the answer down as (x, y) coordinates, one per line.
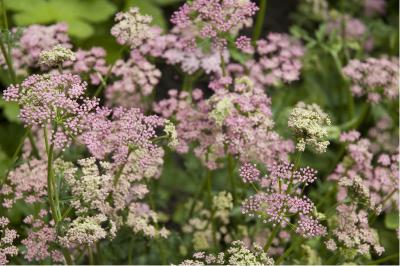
(198, 195)
(5, 21)
(209, 193)
(8, 60)
(376, 262)
(288, 251)
(90, 253)
(231, 169)
(15, 156)
(271, 238)
(223, 67)
(259, 21)
(356, 121)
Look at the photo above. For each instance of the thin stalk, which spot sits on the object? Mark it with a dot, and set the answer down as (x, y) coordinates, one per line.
(271, 238)
(5, 21)
(356, 121)
(15, 156)
(223, 66)
(90, 253)
(288, 251)
(209, 190)
(378, 261)
(231, 169)
(259, 21)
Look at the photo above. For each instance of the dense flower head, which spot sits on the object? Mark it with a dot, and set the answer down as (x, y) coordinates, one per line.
(36, 39)
(375, 78)
(173, 48)
(236, 254)
(243, 43)
(41, 239)
(56, 56)
(132, 28)
(374, 7)
(237, 123)
(309, 125)
(281, 199)
(353, 231)
(27, 182)
(368, 177)
(134, 79)
(53, 99)
(212, 19)
(7, 238)
(249, 173)
(89, 63)
(279, 60)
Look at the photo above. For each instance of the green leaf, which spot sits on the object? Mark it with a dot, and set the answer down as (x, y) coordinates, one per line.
(10, 110)
(78, 14)
(149, 8)
(166, 2)
(392, 220)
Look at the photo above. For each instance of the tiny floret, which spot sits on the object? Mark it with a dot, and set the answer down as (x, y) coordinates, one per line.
(56, 56)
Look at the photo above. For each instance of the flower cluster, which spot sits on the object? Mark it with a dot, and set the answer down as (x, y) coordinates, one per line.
(7, 238)
(134, 79)
(212, 19)
(172, 47)
(237, 123)
(309, 125)
(36, 39)
(91, 64)
(55, 100)
(56, 56)
(354, 28)
(236, 254)
(282, 199)
(132, 28)
(375, 78)
(279, 60)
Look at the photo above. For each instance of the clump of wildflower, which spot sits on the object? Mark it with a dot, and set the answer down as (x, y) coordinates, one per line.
(212, 19)
(279, 60)
(134, 79)
(28, 182)
(7, 237)
(84, 231)
(34, 40)
(236, 122)
(54, 99)
(374, 78)
(172, 47)
(309, 125)
(90, 64)
(132, 28)
(243, 43)
(374, 7)
(56, 56)
(281, 199)
(236, 254)
(353, 231)
(41, 239)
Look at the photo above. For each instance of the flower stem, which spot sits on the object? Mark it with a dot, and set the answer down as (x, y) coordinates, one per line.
(288, 251)
(231, 169)
(259, 21)
(271, 238)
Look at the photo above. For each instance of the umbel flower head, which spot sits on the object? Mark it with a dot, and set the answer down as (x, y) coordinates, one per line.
(56, 56)
(53, 99)
(308, 123)
(132, 28)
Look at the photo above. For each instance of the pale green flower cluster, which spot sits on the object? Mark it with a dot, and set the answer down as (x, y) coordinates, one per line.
(222, 110)
(170, 131)
(56, 56)
(237, 254)
(86, 231)
(223, 204)
(309, 124)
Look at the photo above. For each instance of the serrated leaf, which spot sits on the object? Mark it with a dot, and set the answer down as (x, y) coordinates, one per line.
(392, 220)
(149, 8)
(78, 14)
